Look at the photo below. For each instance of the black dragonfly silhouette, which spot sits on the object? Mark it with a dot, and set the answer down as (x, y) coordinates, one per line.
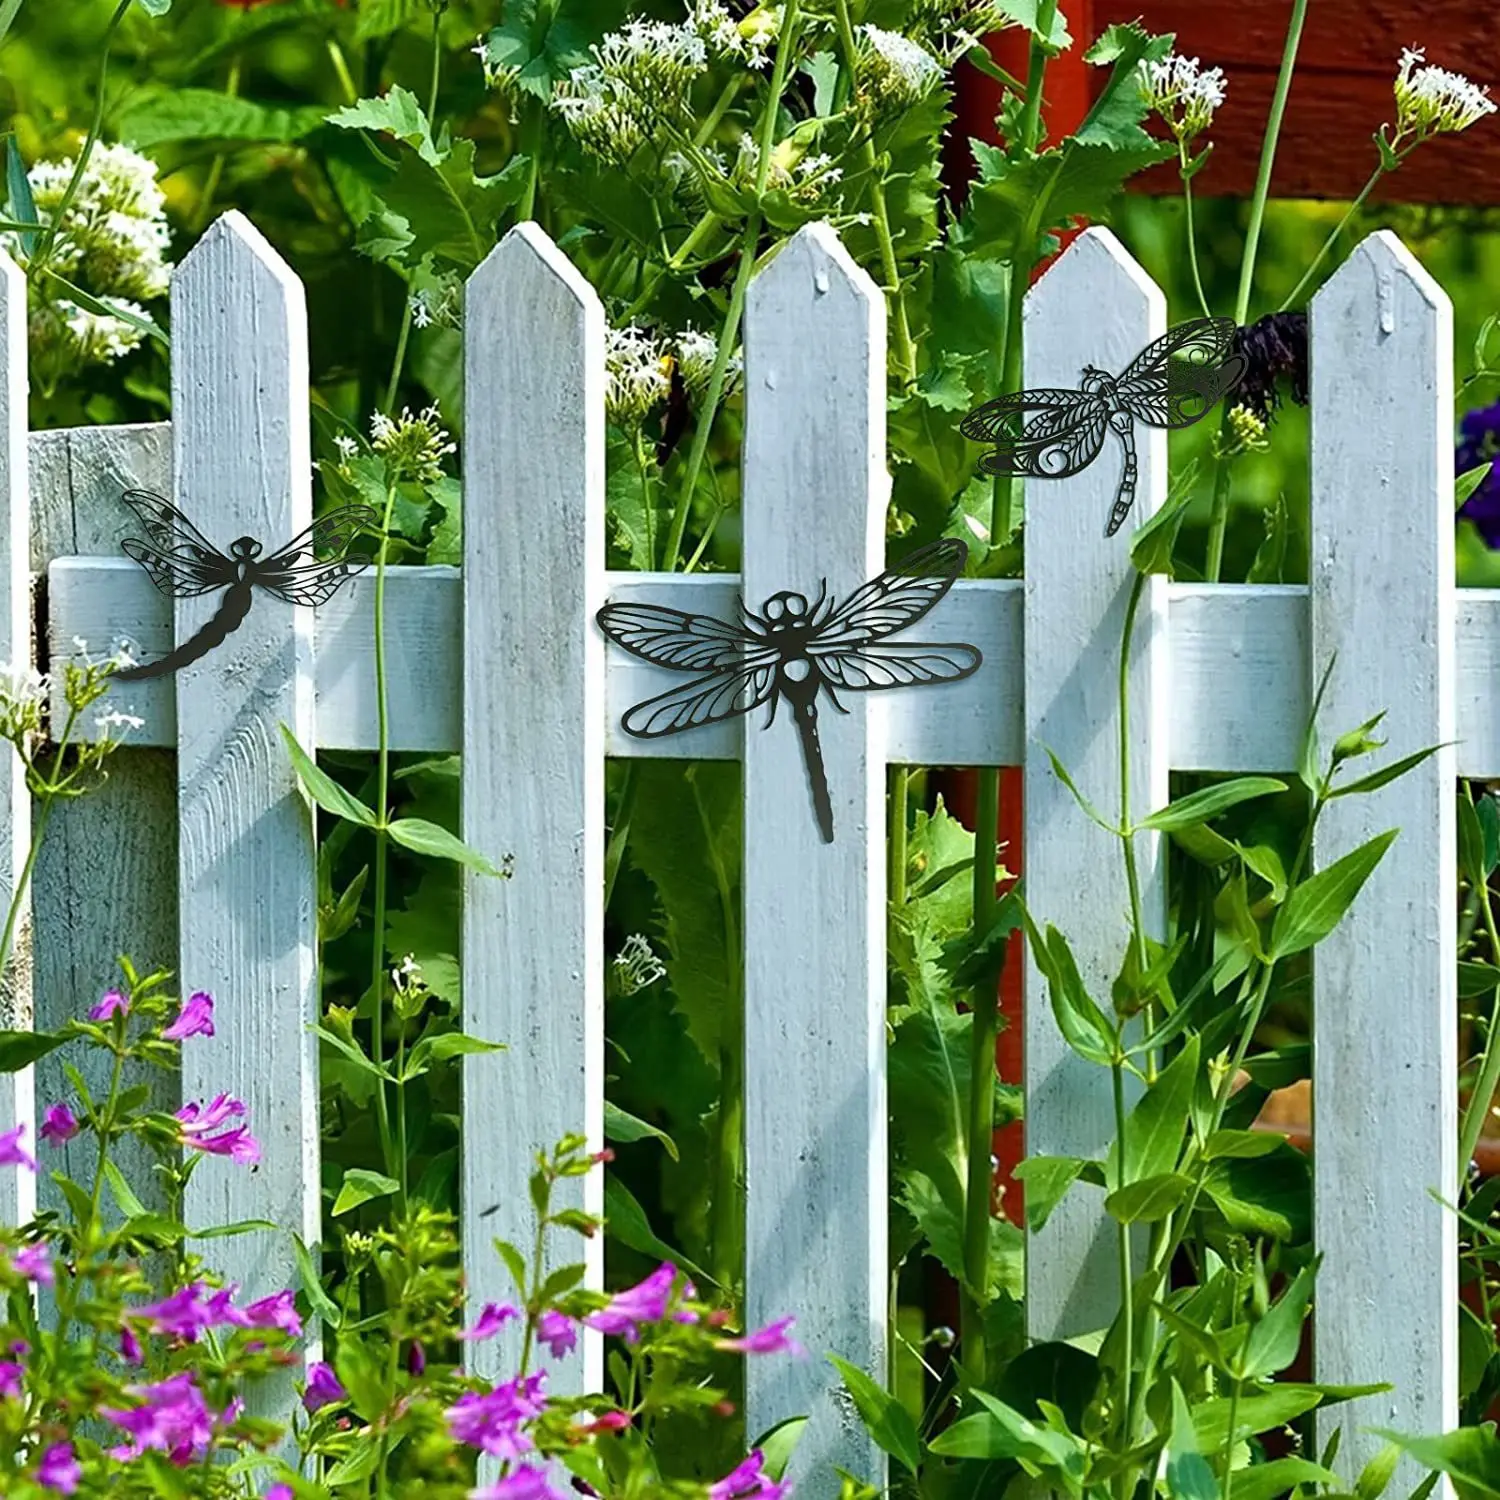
(1049, 434)
(183, 563)
(794, 649)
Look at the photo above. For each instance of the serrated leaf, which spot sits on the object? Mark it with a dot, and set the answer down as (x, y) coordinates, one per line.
(540, 57)
(186, 114)
(396, 113)
(1115, 117)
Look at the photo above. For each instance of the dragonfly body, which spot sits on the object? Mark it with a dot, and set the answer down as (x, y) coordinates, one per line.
(1050, 434)
(794, 649)
(183, 564)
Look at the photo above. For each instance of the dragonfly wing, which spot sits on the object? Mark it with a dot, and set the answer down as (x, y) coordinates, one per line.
(331, 533)
(888, 664)
(1180, 377)
(895, 599)
(723, 696)
(311, 584)
(684, 642)
(177, 575)
(165, 525)
(1048, 434)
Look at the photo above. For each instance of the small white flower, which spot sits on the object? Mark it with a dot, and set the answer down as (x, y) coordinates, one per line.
(898, 71)
(759, 32)
(637, 965)
(346, 445)
(1432, 101)
(114, 719)
(413, 447)
(1183, 93)
(638, 375)
(710, 21)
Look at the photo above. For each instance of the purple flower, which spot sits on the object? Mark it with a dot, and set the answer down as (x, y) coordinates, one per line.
(1478, 443)
(196, 1121)
(749, 1482)
(524, 1483)
(172, 1418)
(58, 1124)
(196, 1018)
(491, 1420)
(130, 1346)
(34, 1263)
(10, 1377)
(276, 1311)
(416, 1358)
(12, 1153)
(772, 1339)
(112, 1002)
(556, 1331)
(279, 1492)
(323, 1387)
(646, 1302)
(492, 1319)
(181, 1315)
(1275, 351)
(59, 1470)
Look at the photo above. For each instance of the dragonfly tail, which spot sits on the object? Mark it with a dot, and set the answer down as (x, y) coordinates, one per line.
(1125, 495)
(228, 617)
(807, 728)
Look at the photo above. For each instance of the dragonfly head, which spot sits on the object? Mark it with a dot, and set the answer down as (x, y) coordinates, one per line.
(245, 549)
(785, 608)
(1095, 380)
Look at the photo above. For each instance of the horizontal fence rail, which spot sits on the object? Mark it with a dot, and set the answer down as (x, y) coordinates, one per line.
(501, 661)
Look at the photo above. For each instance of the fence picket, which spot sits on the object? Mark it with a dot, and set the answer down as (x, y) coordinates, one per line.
(815, 492)
(533, 761)
(17, 1090)
(246, 860)
(1385, 1082)
(1077, 586)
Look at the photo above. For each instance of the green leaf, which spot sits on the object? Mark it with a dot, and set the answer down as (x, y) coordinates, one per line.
(777, 1446)
(620, 1125)
(1469, 1456)
(240, 1226)
(323, 789)
(886, 1419)
(382, 18)
(1316, 905)
(1378, 1473)
(352, 1052)
(542, 58)
(1188, 1475)
(1154, 1129)
(186, 114)
(1468, 482)
(123, 1194)
(1120, 106)
(361, 1373)
(1047, 1178)
(1476, 979)
(976, 965)
(423, 837)
(448, 1044)
(19, 1049)
(1267, 1481)
(1061, 772)
(1149, 1198)
(361, 1186)
(626, 1221)
(516, 1263)
(18, 186)
(1000, 1431)
(1257, 1411)
(1027, 13)
(1470, 840)
(1201, 806)
(1311, 771)
(1079, 1018)
(1153, 544)
(1274, 1340)
(1388, 773)
(395, 113)
(108, 307)
(312, 1284)
(1241, 1144)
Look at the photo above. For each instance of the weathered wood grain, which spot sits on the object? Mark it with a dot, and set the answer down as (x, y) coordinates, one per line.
(814, 501)
(1385, 1027)
(1077, 585)
(533, 761)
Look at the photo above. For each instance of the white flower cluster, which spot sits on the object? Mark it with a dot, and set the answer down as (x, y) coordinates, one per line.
(112, 241)
(638, 365)
(895, 71)
(413, 446)
(805, 179)
(1183, 93)
(637, 966)
(951, 27)
(1433, 101)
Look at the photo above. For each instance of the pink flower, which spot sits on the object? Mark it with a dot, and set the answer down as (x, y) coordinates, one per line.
(611, 1421)
(555, 1330)
(749, 1482)
(183, 1314)
(130, 1346)
(491, 1320)
(196, 1018)
(34, 1262)
(524, 1483)
(772, 1339)
(276, 1311)
(112, 1002)
(323, 1387)
(12, 1154)
(279, 1492)
(491, 1420)
(173, 1419)
(10, 1377)
(646, 1302)
(59, 1470)
(196, 1121)
(58, 1124)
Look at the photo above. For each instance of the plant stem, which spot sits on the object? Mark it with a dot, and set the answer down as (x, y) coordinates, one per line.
(748, 242)
(1234, 1417)
(401, 338)
(437, 68)
(216, 167)
(341, 71)
(1192, 239)
(1483, 1095)
(1127, 1276)
(1332, 239)
(899, 802)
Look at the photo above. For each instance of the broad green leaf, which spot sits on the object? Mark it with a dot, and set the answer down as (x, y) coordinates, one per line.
(1079, 1018)
(1000, 1431)
(323, 789)
(626, 1221)
(541, 57)
(1469, 481)
(382, 18)
(448, 1044)
(1120, 106)
(1047, 1178)
(1316, 905)
(1148, 1199)
(1257, 1411)
(395, 113)
(1241, 1143)
(1275, 1339)
(1268, 1195)
(360, 1186)
(1154, 542)
(1470, 840)
(941, 1222)
(1469, 1456)
(1201, 806)
(18, 187)
(123, 1193)
(19, 1049)
(424, 837)
(1027, 13)
(1268, 1480)
(886, 1419)
(351, 1050)
(621, 1125)
(1155, 1127)
(1188, 1474)
(361, 1373)
(1476, 979)
(777, 1446)
(973, 965)
(186, 114)
(312, 1284)
(1378, 1473)
(928, 1068)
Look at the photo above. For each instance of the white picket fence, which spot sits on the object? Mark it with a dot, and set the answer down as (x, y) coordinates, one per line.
(502, 661)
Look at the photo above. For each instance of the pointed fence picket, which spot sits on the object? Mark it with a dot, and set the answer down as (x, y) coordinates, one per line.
(501, 661)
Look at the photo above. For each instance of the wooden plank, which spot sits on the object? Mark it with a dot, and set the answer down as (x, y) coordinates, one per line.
(533, 761)
(17, 1090)
(123, 835)
(1077, 585)
(815, 492)
(246, 860)
(1385, 1022)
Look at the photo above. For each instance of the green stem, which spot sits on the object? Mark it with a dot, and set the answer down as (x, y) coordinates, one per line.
(748, 242)
(1218, 516)
(1332, 239)
(396, 364)
(216, 167)
(1127, 1280)
(341, 71)
(1192, 237)
(1234, 1417)
(643, 468)
(437, 68)
(532, 146)
(899, 802)
(23, 885)
(1489, 1068)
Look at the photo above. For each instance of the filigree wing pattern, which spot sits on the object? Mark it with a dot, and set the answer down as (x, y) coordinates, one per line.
(1179, 378)
(1047, 434)
(694, 704)
(889, 664)
(684, 642)
(177, 557)
(332, 533)
(894, 599)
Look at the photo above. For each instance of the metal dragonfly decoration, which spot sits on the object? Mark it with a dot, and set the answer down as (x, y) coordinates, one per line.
(1173, 382)
(794, 650)
(183, 563)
